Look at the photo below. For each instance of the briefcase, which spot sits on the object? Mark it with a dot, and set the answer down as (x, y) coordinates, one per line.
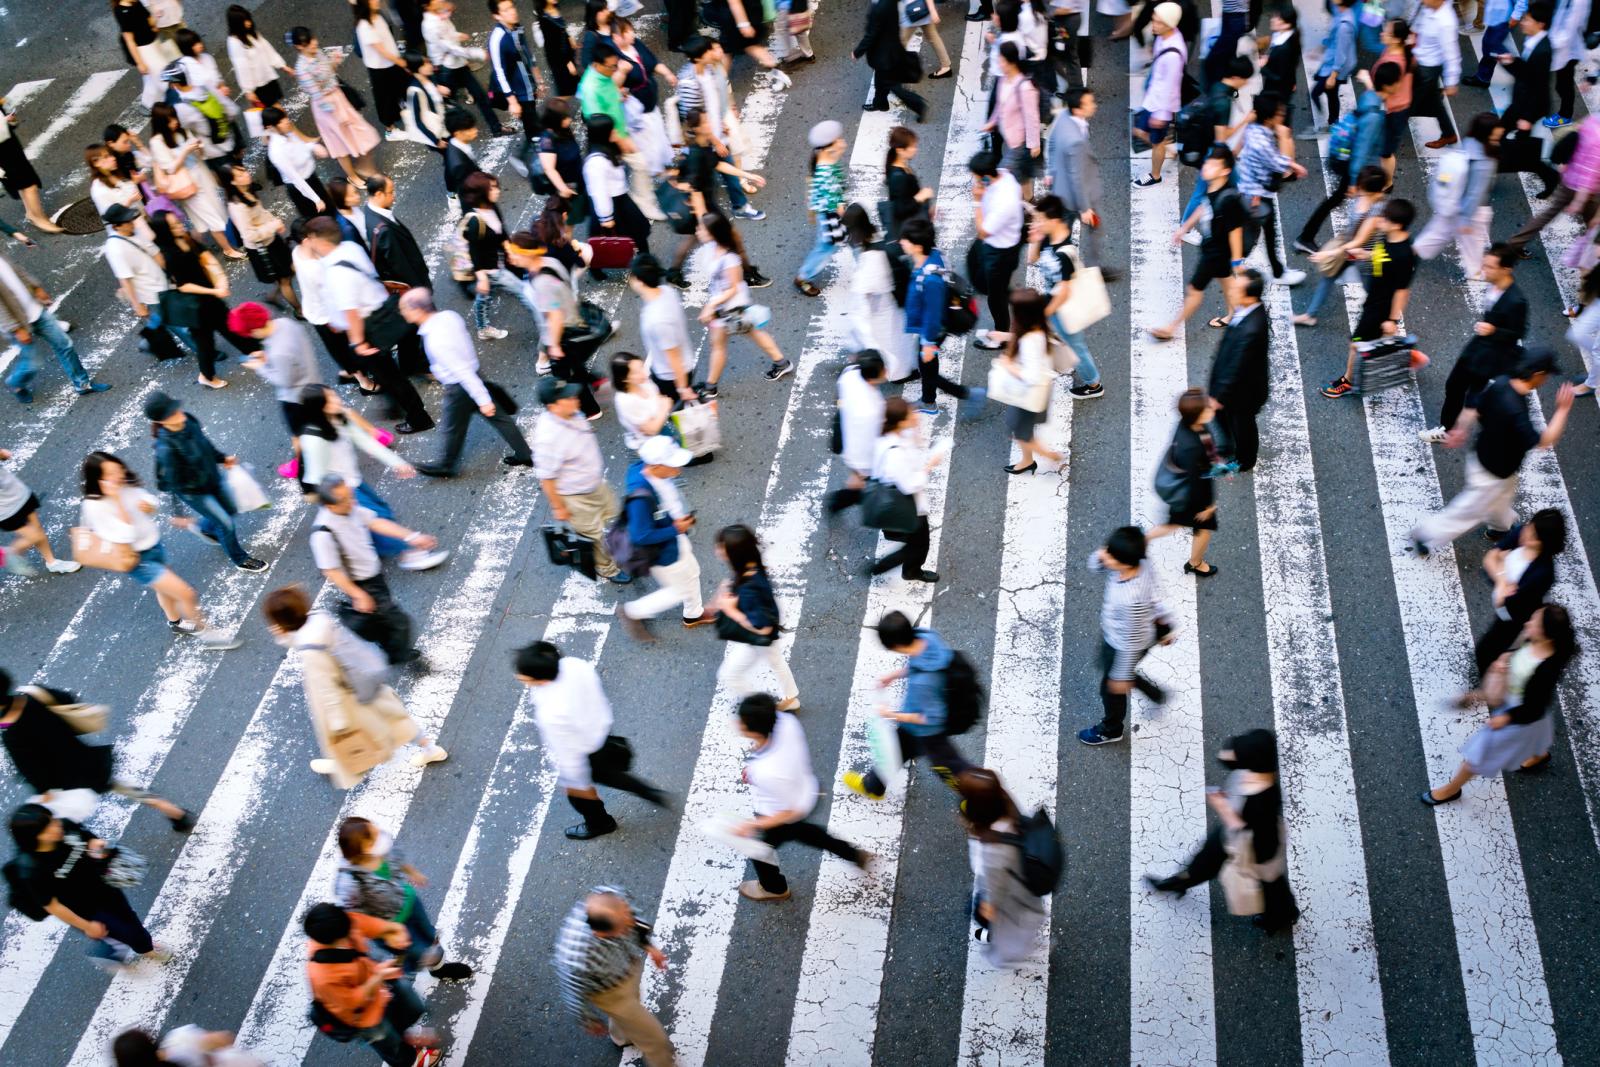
(568, 548)
(1383, 364)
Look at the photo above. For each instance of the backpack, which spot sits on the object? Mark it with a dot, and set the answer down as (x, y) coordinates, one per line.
(963, 696)
(460, 255)
(1194, 132)
(1342, 136)
(633, 559)
(1042, 855)
(960, 304)
(22, 900)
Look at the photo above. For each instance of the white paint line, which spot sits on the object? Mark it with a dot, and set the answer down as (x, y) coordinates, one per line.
(1003, 1021)
(22, 92)
(91, 92)
(1508, 1005)
(835, 1017)
(1172, 1016)
(1335, 949)
(694, 921)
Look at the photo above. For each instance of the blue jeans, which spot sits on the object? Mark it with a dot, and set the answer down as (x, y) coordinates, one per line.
(1086, 372)
(215, 512)
(821, 252)
(1324, 287)
(1494, 42)
(505, 280)
(387, 547)
(151, 566)
(387, 1038)
(45, 328)
(736, 197)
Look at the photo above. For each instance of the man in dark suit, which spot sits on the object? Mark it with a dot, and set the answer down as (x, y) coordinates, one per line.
(1530, 97)
(1238, 384)
(398, 260)
(458, 159)
(1495, 345)
(890, 62)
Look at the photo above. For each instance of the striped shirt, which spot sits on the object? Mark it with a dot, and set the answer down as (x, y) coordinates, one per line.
(827, 188)
(587, 964)
(690, 95)
(1260, 160)
(1128, 615)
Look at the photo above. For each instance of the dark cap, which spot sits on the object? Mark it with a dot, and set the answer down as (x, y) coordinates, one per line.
(553, 389)
(117, 214)
(1536, 359)
(1256, 750)
(160, 407)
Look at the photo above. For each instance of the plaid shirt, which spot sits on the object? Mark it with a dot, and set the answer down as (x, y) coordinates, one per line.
(827, 189)
(1259, 160)
(588, 964)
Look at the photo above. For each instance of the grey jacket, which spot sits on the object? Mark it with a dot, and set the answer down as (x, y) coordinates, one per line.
(12, 302)
(1074, 171)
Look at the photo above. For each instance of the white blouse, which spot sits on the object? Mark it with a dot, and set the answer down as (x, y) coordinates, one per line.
(308, 272)
(139, 530)
(375, 32)
(900, 459)
(202, 71)
(254, 64)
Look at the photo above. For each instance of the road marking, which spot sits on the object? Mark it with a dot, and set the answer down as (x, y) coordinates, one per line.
(22, 92)
(841, 974)
(87, 95)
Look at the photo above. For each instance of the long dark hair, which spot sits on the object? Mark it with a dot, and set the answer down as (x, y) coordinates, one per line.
(314, 414)
(173, 255)
(364, 11)
(164, 123)
(721, 231)
(985, 802)
(237, 194)
(743, 549)
(551, 117)
(621, 363)
(592, 11)
(899, 137)
(599, 129)
(858, 227)
(241, 23)
(27, 823)
(94, 467)
(1557, 627)
(135, 1048)
(895, 413)
(1027, 315)
(1400, 30)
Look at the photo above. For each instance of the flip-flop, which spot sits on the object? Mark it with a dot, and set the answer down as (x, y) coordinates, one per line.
(1219, 323)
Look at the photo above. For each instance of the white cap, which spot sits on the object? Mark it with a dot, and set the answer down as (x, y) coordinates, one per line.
(663, 451)
(825, 133)
(1169, 13)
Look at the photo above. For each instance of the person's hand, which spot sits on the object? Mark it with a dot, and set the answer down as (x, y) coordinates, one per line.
(255, 361)
(718, 147)
(1524, 125)
(1450, 90)
(683, 525)
(364, 349)
(230, 461)
(399, 937)
(745, 829)
(885, 712)
(985, 911)
(1177, 237)
(5, 453)
(1171, 636)
(23, 335)
(422, 541)
(487, 410)
(1298, 170)
(147, 506)
(1455, 438)
(1390, 327)
(657, 957)
(934, 459)
(1482, 329)
(1218, 801)
(514, 106)
(362, 601)
(686, 392)
(1333, 80)
(140, 311)
(40, 294)
(94, 931)
(1207, 513)
(889, 679)
(595, 1028)
(389, 970)
(1506, 59)
(672, 79)
(561, 513)
(1498, 721)
(419, 879)
(705, 316)
(405, 470)
(483, 287)
(1092, 218)
(320, 153)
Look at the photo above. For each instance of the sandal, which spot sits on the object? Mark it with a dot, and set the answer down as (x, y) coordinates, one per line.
(1147, 181)
(1160, 333)
(1218, 323)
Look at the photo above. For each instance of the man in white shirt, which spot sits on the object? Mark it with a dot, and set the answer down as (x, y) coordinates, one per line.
(455, 365)
(778, 771)
(1438, 74)
(140, 279)
(999, 226)
(363, 310)
(668, 353)
(860, 421)
(449, 54)
(574, 720)
(572, 473)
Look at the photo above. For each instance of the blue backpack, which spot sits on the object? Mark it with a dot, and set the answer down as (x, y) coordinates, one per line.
(1342, 136)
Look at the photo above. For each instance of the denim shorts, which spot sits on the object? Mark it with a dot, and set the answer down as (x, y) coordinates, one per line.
(151, 566)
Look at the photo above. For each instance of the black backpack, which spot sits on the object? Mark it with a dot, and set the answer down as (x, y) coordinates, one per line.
(1194, 132)
(23, 902)
(960, 304)
(963, 696)
(1042, 856)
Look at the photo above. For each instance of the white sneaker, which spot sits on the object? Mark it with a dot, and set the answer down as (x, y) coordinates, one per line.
(1192, 237)
(324, 766)
(543, 366)
(63, 566)
(1434, 436)
(395, 135)
(217, 641)
(432, 754)
(418, 559)
(491, 333)
(1291, 277)
(158, 953)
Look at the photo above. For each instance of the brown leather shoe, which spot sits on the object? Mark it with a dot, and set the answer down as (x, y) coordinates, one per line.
(1442, 142)
(705, 618)
(752, 890)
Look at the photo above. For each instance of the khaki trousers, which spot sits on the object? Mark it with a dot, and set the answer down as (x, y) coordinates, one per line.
(632, 1023)
(591, 513)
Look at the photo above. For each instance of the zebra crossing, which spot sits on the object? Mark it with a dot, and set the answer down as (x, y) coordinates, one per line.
(849, 937)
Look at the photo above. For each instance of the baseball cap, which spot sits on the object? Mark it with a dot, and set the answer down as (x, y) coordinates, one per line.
(1169, 13)
(825, 133)
(663, 451)
(248, 317)
(553, 389)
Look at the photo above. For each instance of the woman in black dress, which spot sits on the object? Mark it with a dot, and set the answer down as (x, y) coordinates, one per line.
(194, 272)
(558, 49)
(908, 197)
(1183, 480)
(20, 179)
(561, 159)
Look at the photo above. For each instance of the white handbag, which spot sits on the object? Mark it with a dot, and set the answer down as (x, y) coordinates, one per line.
(720, 829)
(697, 428)
(1087, 301)
(247, 495)
(1006, 388)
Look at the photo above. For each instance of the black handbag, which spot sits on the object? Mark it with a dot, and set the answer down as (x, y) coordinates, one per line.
(615, 756)
(728, 629)
(836, 433)
(352, 94)
(977, 265)
(179, 309)
(568, 548)
(1172, 486)
(674, 204)
(884, 507)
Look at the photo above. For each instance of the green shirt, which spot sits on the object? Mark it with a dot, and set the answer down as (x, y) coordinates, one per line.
(599, 95)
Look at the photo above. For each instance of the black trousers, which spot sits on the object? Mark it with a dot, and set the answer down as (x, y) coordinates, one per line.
(593, 809)
(912, 555)
(386, 625)
(999, 265)
(942, 756)
(1567, 89)
(304, 207)
(882, 88)
(807, 833)
(682, 16)
(1461, 383)
(213, 319)
(933, 381)
(461, 80)
(1206, 864)
(1115, 705)
(1495, 642)
(1428, 99)
(1319, 87)
(389, 86)
(1308, 232)
(339, 349)
(162, 344)
(626, 221)
(381, 368)
(573, 366)
(1241, 439)
(458, 410)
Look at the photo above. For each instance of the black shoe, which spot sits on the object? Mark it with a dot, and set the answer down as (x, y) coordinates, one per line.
(185, 822)
(596, 274)
(920, 576)
(1491, 534)
(406, 427)
(432, 470)
(515, 461)
(1260, 923)
(658, 797)
(251, 564)
(676, 279)
(874, 107)
(708, 391)
(755, 279)
(1087, 392)
(778, 370)
(584, 832)
(702, 459)
(1110, 274)
(452, 972)
(1304, 246)
(1474, 81)
(1174, 884)
(1209, 572)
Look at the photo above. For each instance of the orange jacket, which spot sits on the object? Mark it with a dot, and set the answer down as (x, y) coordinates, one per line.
(338, 985)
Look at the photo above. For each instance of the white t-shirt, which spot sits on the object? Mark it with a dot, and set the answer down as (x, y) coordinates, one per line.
(355, 287)
(139, 530)
(779, 772)
(308, 272)
(135, 260)
(1002, 212)
(662, 326)
(375, 32)
(574, 717)
(635, 406)
(254, 65)
(343, 542)
(719, 281)
(860, 419)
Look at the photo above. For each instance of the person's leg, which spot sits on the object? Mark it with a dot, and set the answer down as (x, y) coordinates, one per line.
(944, 759)
(1114, 705)
(49, 328)
(387, 547)
(143, 796)
(215, 519)
(455, 414)
(735, 673)
(587, 803)
(1246, 438)
(1207, 862)
(474, 88)
(1281, 910)
(916, 550)
(1499, 509)
(1496, 640)
(768, 875)
(1196, 198)
(382, 368)
(122, 923)
(736, 194)
(910, 749)
(482, 300)
(26, 367)
(1554, 205)
(1197, 548)
(999, 266)
(1460, 381)
(814, 836)
(880, 91)
(511, 434)
(669, 592)
(787, 689)
(591, 514)
(1269, 236)
(632, 1023)
(820, 255)
(1308, 232)
(1567, 89)
(1481, 497)
(1494, 39)
(177, 597)
(574, 367)
(910, 99)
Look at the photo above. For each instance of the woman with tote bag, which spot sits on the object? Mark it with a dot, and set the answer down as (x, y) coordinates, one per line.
(747, 619)
(1020, 379)
(1008, 917)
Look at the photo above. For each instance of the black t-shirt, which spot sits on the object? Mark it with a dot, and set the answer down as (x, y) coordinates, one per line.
(1227, 215)
(699, 171)
(1505, 429)
(135, 20)
(1219, 101)
(1055, 263)
(1393, 265)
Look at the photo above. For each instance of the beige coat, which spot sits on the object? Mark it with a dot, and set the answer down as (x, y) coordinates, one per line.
(356, 737)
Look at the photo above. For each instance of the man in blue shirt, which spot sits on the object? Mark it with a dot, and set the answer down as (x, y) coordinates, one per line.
(659, 521)
(925, 303)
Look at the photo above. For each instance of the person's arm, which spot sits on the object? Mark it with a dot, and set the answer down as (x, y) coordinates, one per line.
(599, 194)
(547, 161)
(1346, 46)
(497, 65)
(390, 528)
(1558, 422)
(87, 927)
(1397, 308)
(1452, 54)
(680, 373)
(359, 597)
(642, 528)
(360, 435)
(558, 504)
(1030, 114)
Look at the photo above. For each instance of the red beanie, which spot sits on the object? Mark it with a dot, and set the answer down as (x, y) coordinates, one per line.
(248, 317)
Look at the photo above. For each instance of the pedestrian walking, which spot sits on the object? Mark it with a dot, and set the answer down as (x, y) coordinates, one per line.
(1394, 265)
(703, 87)
(17, 175)
(148, 53)
(574, 717)
(199, 312)
(925, 306)
(599, 957)
(670, 359)
(377, 879)
(358, 719)
(728, 310)
(255, 62)
(25, 314)
(1266, 160)
(999, 220)
(778, 771)
(1579, 190)
(1396, 38)
(345, 209)
(1185, 479)
(1506, 434)
(748, 619)
(892, 66)
(562, 60)
(1007, 916)
(825, 202)
(331, 435)
(642, 411)
(1247, 848)
(396, 256)
(341, 545)
(925, 17)
(1026, 358)
(110, 186)
(1438, 72)
(190, 468)
(1519, 689)
(1049, 247)
(450, 55)
(1522, 151)
(120, 516)
(1459, 196)
(50, 755)
(484, 232)
(348, 137)
(878, 291)
(1339, 59)
(1163, 89)
(1495, 346)
(1522, 568)
(658, 523)
(615, 214)
(1366, 148)
(859, 418)
(424, 116)
(1367, 203)
(572, 473)
(1240, 383)
(901, 459)
(354, 997)
(933, 673)
(742, 28)
(19, 515)
(1073, 170)
(1568, 29)
(1225, 245)
(514, 76)
(1496, 21)
(386, 69)
(184, 1046)
(1014, 118)
(60, 870)
(567, 339)
(908, 197)
(262, 233)
(1133, 620)
(455, 366)
(294, 156)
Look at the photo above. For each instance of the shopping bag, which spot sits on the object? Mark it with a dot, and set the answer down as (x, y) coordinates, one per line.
(1063, 360)
(696, 427)
(1087, 301)
(252, 122)
(884, 507)
(247, 494)
(124, 869)
(1006, 388)
(719, 828)
(92, 550)
(884, 740)
(611, 253)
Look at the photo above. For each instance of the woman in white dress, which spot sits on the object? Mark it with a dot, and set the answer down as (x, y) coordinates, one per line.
(876, 319)
(108, 185)
(181, 173)
(641, 409)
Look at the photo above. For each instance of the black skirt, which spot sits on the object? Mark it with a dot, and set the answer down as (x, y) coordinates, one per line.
(270, 94)
(19, 173)
(19, 518)
(272, 262)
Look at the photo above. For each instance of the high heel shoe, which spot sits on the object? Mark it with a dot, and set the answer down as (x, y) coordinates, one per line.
(1029, 469)
(1210, 571)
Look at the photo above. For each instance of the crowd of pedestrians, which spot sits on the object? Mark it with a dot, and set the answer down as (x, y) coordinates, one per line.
(616, 157)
